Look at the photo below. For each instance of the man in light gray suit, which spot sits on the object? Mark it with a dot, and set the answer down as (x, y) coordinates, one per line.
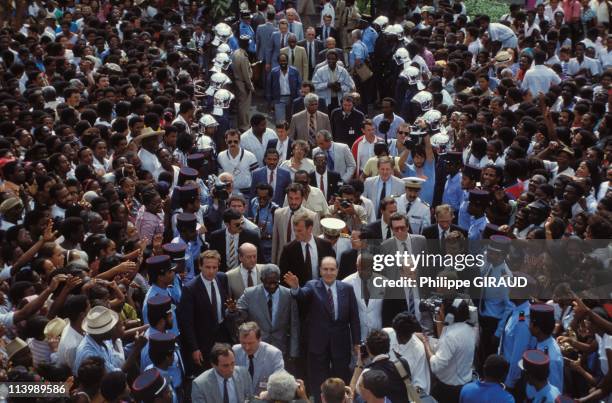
(339, 156)
(258, 357)
(224, 382)
(383, 185)
(247, 274)
(273, 308)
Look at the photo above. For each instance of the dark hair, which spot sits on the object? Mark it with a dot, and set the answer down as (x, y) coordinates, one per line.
(378, 342)
(376, 381)
(405, 325)
(113, 385)
(74, 306)
(496, 368)
(218, 350)
(231, 214)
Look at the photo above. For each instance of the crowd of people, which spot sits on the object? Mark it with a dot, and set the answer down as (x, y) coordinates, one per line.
(194, 196)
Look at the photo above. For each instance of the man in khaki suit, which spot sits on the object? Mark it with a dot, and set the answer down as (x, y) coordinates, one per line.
(297, 56)
(305, 124)
(247, 273)
(243, 74)
(347, 19)
(282, 231)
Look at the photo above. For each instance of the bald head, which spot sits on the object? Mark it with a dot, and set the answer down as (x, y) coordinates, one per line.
(247, 254)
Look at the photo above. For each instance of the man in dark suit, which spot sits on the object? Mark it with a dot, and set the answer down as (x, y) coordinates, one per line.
(201, 313)
(326, 30)
(439, 231)
(330, 44)
(278, 178)
(348, 259)
(282, 143)
(322, 178)
(381, 229)
(346, 121)
(332, 323)
(298, 103)
(313, 47)
(304, 254)
(228, 239)
(281, 97)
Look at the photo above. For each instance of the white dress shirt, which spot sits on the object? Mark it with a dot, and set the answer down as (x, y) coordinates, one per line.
(207, 284)
(452, 361)
(282, 148)
(539, 78)
(66, 350)
(250, 142)
(322, 178)
(285, 90)
(244, 273)
(148, 161)
(414, 353)
(314, 256)
(384, 226)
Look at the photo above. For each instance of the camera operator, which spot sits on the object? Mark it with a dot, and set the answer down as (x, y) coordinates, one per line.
(451, 362)
(345, 209)
(376, 349)
(221, 189)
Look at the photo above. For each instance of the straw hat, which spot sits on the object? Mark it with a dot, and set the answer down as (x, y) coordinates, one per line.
(100, 320)
(15, 346)
(55, 327)
(146, 133)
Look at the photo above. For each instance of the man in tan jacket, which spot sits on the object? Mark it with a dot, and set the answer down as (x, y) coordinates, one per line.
(347, 19)
(243, 74)
(297, 56)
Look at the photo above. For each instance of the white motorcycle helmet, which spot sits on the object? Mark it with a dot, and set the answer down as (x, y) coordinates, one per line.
(381, 21)
(208, 121)
(395, 29)
(424, 99)
(221, 100)
(433, 118)
(217, 81)
(401, 56)
(413, 75)
(222, 61)
(224, 48)
(222, 33)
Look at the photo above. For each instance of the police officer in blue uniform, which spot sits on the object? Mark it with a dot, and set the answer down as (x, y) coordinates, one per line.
(165, 357)
(541, 326)
(245, 29)
(490, 388)
(186, 224)
(494, 301)
(261, 212)
(152, 387)
(190, 202)
(536, 365)
(176, 251)
(479, 200)
(160, 316)
(469, 178)
(185, 174)
(453, 193)
(161, 277)
(514, 331)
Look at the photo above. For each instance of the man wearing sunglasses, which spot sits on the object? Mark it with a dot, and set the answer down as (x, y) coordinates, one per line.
(237, 161)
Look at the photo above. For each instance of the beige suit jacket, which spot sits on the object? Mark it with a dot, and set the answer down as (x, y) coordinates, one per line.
(242, 69)
(236, 283)
(279, 230)
(300, 60)
(298, 129)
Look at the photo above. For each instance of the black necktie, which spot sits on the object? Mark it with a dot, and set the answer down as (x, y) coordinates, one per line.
(388, 231)
(251, 366)
(225, 393)
(366, 291)
(408, 206)
(270, 305)
(249, 278)
(325, 33)
(308, 262)
(383, 194)
(291, 62)
(213, 300)
(310, 54)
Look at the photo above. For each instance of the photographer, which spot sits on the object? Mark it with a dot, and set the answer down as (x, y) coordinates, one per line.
(345, 209)
(452, 360)
(376, 350)
(422, 163)
(221, 189)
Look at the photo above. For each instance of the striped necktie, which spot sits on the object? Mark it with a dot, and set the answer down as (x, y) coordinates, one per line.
(232, 260)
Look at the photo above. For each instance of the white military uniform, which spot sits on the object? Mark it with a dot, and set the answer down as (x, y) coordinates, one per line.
(418, 212)
(333, 227)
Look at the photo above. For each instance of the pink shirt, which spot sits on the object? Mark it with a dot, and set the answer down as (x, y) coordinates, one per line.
(571, 9)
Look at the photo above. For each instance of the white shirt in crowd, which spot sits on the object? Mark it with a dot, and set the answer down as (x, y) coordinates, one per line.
(452, 361)
(240, 166)
(539, 78)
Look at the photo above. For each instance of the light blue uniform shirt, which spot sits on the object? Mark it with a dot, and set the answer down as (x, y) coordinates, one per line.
(550, 346)
(358, 51)
(547, 394)
(475, 233)
(427, 188)
(369, 38)
(514, 339)
(153, 291)
(192, 254)
(174, 374)
(453, 194)
(246, 29)
(465, 219)
(90, 348)
(494, 301)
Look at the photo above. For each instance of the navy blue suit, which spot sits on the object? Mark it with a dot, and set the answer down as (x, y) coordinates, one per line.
(197, 320)
(283, 179)
(329, 340)
(273, 90)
